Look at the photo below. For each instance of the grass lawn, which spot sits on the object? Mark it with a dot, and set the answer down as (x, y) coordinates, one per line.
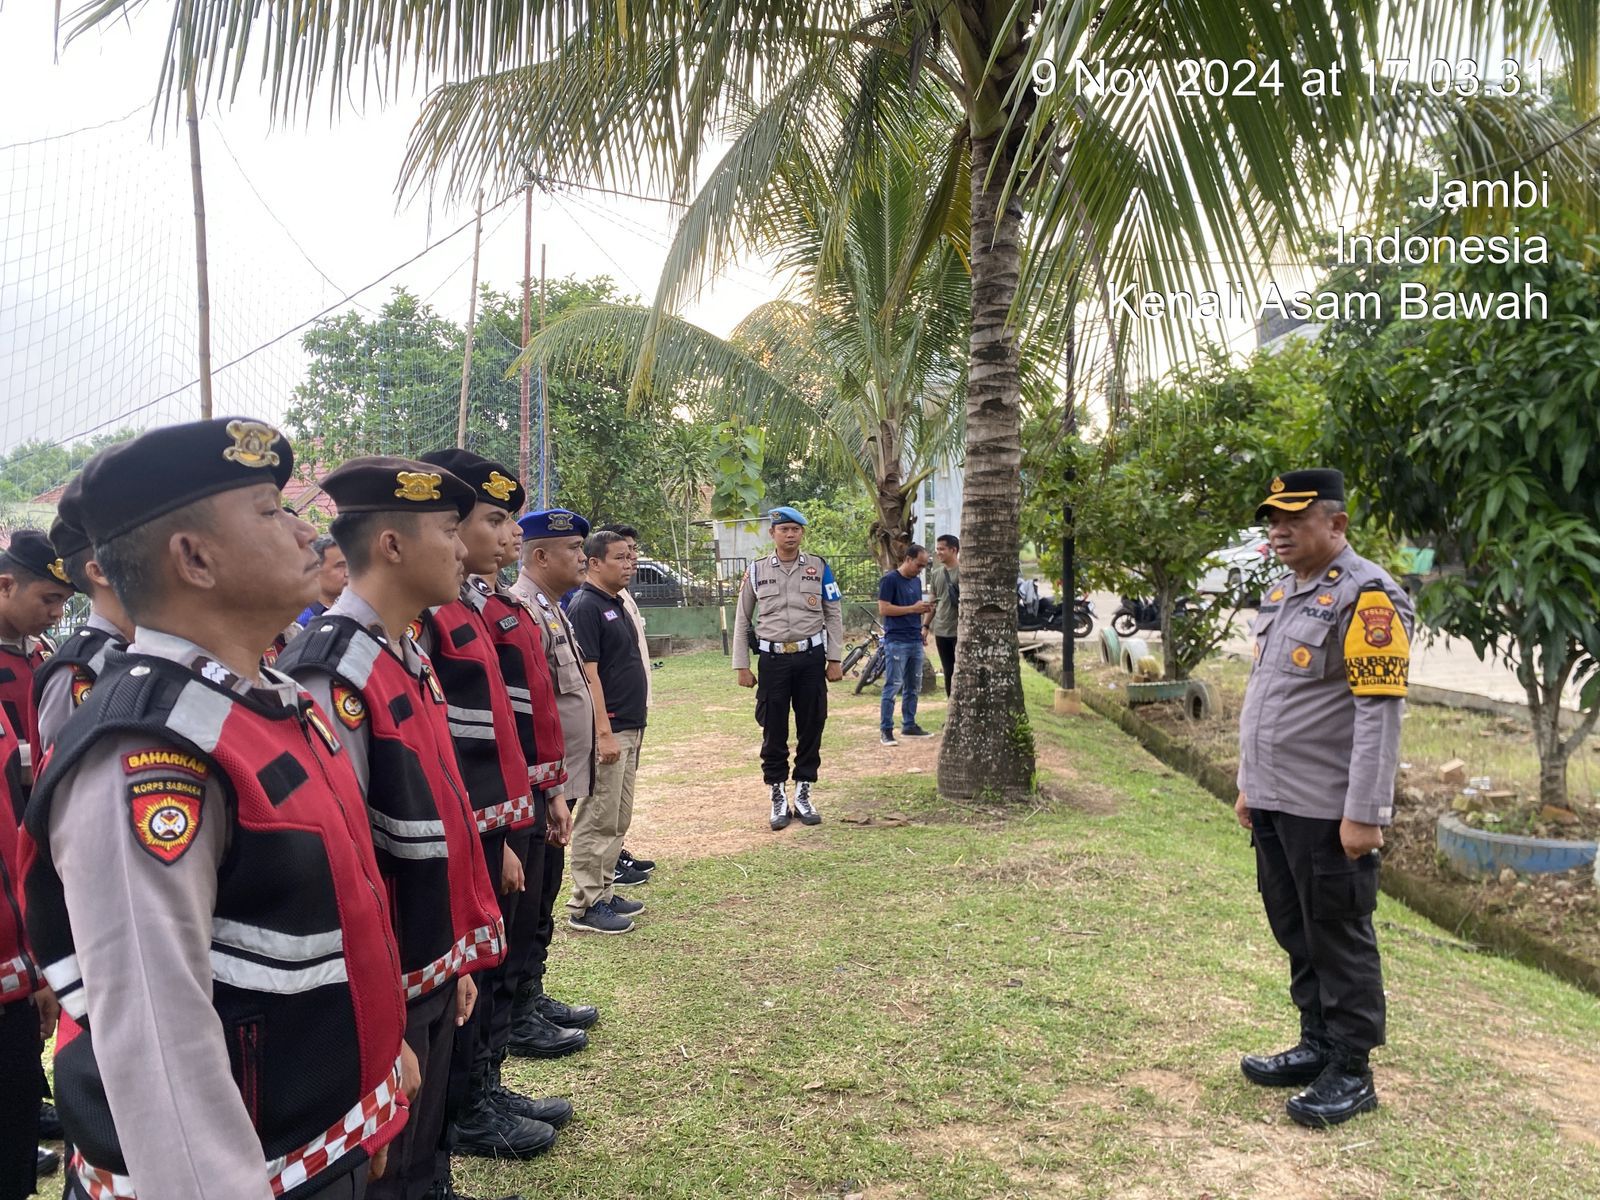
(1048, 1002)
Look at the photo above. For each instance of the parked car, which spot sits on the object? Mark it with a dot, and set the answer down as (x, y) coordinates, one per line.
(657, 585)
(1241, 568)
(660, 585)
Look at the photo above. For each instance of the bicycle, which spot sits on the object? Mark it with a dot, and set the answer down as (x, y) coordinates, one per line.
(871, 652)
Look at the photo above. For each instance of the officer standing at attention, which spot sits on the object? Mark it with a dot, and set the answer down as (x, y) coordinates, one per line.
(792, 601)
(203, 896)
(34, 590)
(397, 526)
(1319, 743)
(65, 679)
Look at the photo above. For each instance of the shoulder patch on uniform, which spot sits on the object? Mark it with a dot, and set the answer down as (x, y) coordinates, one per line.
(348, 706)
(82, 685)
(1377, 651)
(1277, 595)
(414, 630)
(160, 757)
(165, 814)
(507, 622)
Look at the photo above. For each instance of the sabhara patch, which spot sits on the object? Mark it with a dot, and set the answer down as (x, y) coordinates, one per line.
(158, 757)
(166, 816)
(82, 685)
(348, 706)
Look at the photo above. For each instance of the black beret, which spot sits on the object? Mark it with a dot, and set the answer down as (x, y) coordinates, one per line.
(131, 485)
(1296, 490)
(384, 483)
(33, 550)
(66, 532)
(491, 482)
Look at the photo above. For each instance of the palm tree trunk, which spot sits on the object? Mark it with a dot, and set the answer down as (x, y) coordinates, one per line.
(889, 530)
(988, 744)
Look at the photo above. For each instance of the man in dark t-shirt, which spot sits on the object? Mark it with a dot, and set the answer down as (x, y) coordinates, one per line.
(610, 645)
(901, 606)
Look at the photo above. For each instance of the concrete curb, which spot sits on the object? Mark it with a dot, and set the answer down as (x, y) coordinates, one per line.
(1441, 905)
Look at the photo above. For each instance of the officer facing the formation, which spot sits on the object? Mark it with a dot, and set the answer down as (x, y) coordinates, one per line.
(203, 896)
(799, 635)
(65, 679)
(34, 590)
(1319, 741)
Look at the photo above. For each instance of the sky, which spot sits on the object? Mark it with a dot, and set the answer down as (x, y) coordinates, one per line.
(96, 237)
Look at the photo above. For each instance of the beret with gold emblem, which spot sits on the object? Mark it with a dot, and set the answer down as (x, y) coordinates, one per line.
(32, 550)
(384, 483)
(1296, 490)
(552, 522)
(132, 484)
(491, 482)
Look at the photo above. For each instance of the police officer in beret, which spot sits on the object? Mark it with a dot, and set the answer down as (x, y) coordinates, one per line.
(34, 590)
(67, 676)
(203, 895)
(1319, 742)
(791, 602)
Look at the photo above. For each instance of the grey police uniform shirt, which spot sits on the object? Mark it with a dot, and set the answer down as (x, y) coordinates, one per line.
(142, 930)
(786, 602)
(1308, 745)
(573, 702)
(55, 698)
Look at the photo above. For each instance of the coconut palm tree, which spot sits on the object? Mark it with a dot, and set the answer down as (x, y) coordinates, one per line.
(847, 364)
(1159, 186)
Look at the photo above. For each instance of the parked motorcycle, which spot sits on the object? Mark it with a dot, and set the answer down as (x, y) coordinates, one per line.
(1134, 614)
(1083, 618)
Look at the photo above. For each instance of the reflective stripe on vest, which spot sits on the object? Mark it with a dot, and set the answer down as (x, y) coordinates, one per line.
(377, 1109)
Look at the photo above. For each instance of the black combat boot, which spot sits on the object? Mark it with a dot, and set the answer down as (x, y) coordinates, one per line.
(1299, 1065)
(534, 1037)
(487, 1131)
(552, 1110)
(1343, 1090)
(531, 998)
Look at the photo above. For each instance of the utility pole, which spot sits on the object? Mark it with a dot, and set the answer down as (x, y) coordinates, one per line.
(527, 317)
(472, 320)
(544, 401)
(1069, 567)
(202, 274)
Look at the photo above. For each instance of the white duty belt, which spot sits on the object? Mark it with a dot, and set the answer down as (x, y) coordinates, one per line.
(816, 639)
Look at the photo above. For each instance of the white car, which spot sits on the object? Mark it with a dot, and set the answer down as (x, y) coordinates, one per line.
(1241, 568)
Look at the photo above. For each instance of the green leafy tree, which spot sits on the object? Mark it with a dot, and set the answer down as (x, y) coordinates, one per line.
(1176, 480)
(1482, 435)
(35, 467)
(1111, 192)
(738, 449)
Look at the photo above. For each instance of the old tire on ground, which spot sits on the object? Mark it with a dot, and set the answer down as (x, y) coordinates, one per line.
(1110, 647)
(1199, 700)
(1133, 649)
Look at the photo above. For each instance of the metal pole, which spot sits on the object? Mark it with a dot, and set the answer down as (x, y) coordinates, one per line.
(472, 321)
(202, 273)
(527, 317)
(1069, 567)
(544, 400)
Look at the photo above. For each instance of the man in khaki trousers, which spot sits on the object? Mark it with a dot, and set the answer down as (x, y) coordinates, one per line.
(619, 683)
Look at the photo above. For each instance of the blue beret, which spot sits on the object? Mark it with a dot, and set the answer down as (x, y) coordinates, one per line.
(784, 515)
(552, 522)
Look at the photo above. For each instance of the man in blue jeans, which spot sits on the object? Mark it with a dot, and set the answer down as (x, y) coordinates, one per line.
(901, 606)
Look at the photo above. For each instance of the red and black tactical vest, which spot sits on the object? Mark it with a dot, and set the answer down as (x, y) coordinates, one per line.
(482, 724)
(84, 654)
(17, 975)
(446, 914)
(520, 647)
(305, 974)
(16, 698)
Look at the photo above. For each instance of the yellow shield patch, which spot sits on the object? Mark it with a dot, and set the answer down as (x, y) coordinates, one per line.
(1377, 650)
(1301, 657)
